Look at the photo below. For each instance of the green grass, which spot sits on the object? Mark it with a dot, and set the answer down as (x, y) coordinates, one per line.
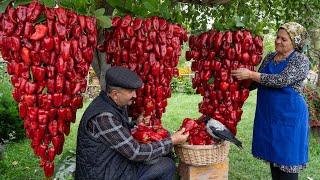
(20, 163)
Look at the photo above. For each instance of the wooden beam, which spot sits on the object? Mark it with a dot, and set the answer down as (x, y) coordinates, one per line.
(210, 3)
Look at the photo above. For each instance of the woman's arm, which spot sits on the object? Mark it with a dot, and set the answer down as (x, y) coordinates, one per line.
(297, 70)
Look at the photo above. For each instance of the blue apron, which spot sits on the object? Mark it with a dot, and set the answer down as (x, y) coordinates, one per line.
(280, 133)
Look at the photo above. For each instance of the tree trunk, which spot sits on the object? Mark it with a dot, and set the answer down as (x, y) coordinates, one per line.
(99, 64)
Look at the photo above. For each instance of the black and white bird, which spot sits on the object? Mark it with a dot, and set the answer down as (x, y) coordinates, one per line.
(218, 131)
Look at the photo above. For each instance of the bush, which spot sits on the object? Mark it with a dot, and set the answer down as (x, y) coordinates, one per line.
(182, 84)
(11, 125)
(312, 96)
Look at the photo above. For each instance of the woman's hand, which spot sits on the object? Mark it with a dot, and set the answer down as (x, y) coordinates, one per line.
(242, 73)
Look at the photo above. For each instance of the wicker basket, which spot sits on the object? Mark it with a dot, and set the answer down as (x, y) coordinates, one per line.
(200, 155)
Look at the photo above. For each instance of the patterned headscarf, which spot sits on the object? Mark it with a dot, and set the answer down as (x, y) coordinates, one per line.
(297, 33)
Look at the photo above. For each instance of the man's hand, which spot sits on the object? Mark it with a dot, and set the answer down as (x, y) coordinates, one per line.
(179, 137)
(143, 120)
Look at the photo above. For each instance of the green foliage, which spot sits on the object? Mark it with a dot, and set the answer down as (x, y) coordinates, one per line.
(11, 126)
(67, 167)
(147, 8)
(255, 15)
(182, 84)
(312, 96)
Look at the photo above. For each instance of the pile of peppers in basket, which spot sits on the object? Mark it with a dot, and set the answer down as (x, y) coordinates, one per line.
(150, 47)
(214, 55)
(48, 60)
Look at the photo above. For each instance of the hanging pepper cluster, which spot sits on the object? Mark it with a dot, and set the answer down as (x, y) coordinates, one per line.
(150, 47)
(48, 60)
(214, 55)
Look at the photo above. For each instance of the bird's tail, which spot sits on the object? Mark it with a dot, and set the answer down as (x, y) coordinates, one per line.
(237, 143)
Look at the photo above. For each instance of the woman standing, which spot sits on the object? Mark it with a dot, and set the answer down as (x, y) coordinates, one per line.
(280, 134)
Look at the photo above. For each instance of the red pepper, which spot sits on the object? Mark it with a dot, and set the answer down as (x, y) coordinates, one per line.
(188, 124)
(22, 109)
(91, 24)
(224, 75)
(16, 94)
(155, 22)
(231, 53)
(51, 85)
(155, 68)
(149, 106)
(36, 60)
(60, 79)
(234, 87)
(57, 99)
(49, 169)
(21, 13)
(76, 102)
(25, 55)
(62, 15)
(82, 21)
(31, 88)
(53, 128)
(218, 41)
(32, 113)
(30, 100)
(88, 54)
(244, 93)
(126, 20)
(217, 65)
(137, 23)
(45, 101)
(255, 59)
(245, 58)
(60, 29)
(41, 31)
(116, 21)
(141, 136)
(65, 50)
(238, 49)
(38, 73)
(237, 36)
(51, 153)
(129, 31)
(152, 36)
(51, 71)
(61, 66)
(42, 117)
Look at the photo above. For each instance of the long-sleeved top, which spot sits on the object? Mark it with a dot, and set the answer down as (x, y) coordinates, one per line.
(110, 130)
(293, 75)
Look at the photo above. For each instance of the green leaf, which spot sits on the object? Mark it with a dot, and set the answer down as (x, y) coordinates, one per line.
(128, 5)
(21, 2)
(99, 12)
(151, 5)
(211, 80)
(41, 19)
(48, 3)
(115, 3)
(104, 21)
(3, 5)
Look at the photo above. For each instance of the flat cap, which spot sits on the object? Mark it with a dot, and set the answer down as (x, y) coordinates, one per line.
(122, 77)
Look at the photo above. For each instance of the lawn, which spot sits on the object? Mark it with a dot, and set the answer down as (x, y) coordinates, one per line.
(20, 163)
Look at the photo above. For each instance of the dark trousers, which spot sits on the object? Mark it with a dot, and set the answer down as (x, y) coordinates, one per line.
(277, 174)
(163, 169)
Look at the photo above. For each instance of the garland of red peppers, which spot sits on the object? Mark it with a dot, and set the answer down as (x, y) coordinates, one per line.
(48, 62)
(151, 47)
(215, 54)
